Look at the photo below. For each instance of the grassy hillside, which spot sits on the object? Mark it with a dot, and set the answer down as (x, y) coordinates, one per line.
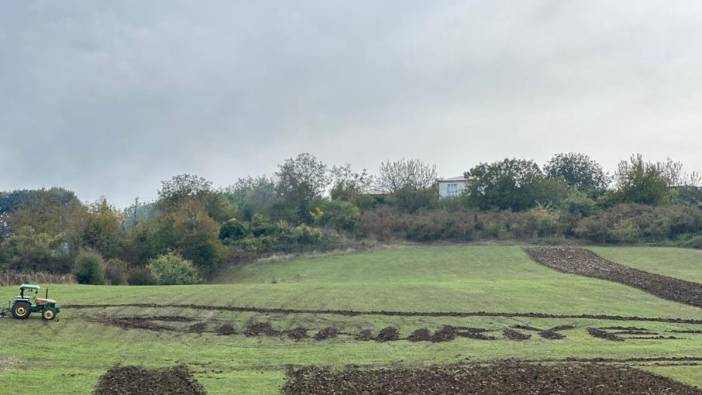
(69, 355)
(681, 263)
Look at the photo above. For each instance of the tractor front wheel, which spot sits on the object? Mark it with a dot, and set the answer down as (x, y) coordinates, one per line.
(21, 310)
(48, 314)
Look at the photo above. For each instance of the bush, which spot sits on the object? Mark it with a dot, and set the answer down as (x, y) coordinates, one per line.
(543, 222)
(141, 276)
(693, 242)
(233, 230)
(90, 268)
(261, 226)
(578, 203)
(338, 214)
(173, 269)
(116, 272)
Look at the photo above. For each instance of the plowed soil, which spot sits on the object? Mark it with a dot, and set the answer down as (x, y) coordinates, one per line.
(353, 313)
(420, 335)
(364, 335)
(260, 329)
(506, 378)
(388, 334)
(298, 333)
(445, 334)
(515, 335)
(586, 263)
(226, 330)
(131, 380)
(599, 333)
(326, 333)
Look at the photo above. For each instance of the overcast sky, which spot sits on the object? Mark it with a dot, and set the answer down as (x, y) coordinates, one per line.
(110, 98)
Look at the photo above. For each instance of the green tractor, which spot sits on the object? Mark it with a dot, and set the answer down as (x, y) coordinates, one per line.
(28, 302)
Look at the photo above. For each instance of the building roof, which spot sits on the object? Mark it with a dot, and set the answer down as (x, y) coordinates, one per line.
(453, 179)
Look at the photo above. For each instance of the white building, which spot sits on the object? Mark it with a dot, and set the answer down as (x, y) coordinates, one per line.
(452, 187)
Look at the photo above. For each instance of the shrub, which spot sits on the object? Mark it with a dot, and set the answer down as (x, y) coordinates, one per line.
(578, 203)
(693, 242)
(116, 272)
(90, 268)
(233, 230)
(338, 214)
(543, 222)
(173, 269)
(260, 226)
(141, 276)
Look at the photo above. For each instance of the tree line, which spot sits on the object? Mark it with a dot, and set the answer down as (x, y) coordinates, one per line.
(193, 228)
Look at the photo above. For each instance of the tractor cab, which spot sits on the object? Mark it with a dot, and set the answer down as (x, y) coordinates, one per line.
(27, 292)
(28, 302)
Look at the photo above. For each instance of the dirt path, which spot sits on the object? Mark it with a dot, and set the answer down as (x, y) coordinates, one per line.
(586, 263)
(353, 313)
(503, 378)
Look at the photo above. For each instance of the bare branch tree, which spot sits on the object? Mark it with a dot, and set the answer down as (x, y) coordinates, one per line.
(406, 174)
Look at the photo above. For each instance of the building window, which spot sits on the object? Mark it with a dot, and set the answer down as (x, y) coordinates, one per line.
(452, 189)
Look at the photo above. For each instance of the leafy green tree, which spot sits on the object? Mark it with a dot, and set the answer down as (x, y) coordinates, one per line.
(90, 268)
(252, 196)
(197, 236)
(173, 269)
(103, 229)
(301, 181)
(184, 187)
(27, 250)
(578, 171)
(150, 239)
(642, 182)
(54, 211)
(512, 184)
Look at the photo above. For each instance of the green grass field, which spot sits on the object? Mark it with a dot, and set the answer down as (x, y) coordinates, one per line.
(682, 263)
(68, 356)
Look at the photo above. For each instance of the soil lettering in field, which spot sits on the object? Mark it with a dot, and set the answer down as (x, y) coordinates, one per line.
(601, 334)
(420, 335)
(511, 334)
(260, 329)
(298, 333)
(326, 333)
(385, 313)
(364, 335)
(388, 334)
(122, 380)
(226, 330)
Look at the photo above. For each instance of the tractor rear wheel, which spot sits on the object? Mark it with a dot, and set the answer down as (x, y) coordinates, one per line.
(48, 314)
(21, 310)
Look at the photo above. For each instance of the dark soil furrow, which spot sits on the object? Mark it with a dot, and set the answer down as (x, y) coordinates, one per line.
(586, 263)
(599, 333)
(515, 335)
(136, 380)
(354, 313)
(503, 378)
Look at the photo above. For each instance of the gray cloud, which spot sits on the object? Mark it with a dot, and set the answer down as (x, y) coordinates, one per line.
(109, 99)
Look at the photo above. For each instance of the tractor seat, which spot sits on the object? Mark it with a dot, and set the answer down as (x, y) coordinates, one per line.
(42, 301)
